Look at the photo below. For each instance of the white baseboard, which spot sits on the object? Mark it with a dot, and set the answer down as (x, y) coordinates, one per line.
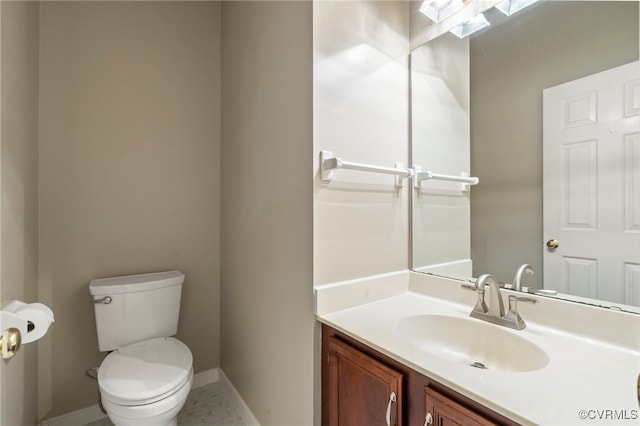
(76, 418)
(243, 409)
(205, 378)
(93, 413)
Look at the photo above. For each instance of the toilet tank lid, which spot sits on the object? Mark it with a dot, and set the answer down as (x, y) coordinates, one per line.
(134, 283)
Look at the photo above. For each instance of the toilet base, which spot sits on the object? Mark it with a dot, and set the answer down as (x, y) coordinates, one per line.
(117, 421)
(160, 413)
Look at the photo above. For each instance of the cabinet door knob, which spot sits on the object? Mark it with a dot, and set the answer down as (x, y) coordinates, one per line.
(392, 399)
(428, 419)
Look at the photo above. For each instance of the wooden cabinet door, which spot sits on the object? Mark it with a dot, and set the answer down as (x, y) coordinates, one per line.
(446, 412)
(359, 390)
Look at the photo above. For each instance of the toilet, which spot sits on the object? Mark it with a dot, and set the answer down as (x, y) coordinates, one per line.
(147, 376)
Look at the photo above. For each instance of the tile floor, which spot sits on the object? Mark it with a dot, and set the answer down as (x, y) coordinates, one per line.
(206, 406)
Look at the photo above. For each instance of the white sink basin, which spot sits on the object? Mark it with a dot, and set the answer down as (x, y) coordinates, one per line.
(472, 342)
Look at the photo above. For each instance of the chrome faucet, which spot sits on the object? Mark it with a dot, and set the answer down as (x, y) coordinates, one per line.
(494, 312)
(517, 280)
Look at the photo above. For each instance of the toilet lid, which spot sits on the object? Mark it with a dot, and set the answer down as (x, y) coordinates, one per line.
(145, 372)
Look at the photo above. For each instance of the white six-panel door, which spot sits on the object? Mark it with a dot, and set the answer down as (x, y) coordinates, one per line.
(591, 158)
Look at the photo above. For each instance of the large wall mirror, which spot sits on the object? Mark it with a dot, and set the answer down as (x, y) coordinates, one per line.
(543, 106)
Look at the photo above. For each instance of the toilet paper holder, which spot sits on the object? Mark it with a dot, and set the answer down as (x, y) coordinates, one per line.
(22, 323)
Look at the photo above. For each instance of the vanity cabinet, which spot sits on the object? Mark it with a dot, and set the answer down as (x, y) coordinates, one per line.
(360, 389)
(359, 385)
(445, 411)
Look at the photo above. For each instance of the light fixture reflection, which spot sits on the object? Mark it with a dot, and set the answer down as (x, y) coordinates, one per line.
(509, 7)
(437, 10)
(474, 24)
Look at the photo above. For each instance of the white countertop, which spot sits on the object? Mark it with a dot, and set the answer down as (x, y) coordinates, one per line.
(584, 377)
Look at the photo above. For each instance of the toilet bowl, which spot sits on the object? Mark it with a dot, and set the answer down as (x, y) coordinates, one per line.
(147, 375)
(163, 412)
(146, 383)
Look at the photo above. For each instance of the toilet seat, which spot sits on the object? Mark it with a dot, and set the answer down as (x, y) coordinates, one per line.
(145, 372)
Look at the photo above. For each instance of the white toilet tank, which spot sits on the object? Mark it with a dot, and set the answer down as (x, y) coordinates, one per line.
(134, 308)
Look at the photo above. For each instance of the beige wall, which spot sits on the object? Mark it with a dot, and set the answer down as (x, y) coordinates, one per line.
(129, 168)
(266, 282)
(360, 114)
(19, 202)
(553, 43)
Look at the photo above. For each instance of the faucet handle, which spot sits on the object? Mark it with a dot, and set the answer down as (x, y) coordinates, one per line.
(513, 303)
(480, 306)
(515, 299)
(513, 316)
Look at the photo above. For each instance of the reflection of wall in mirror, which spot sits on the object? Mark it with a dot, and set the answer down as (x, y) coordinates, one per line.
(440, 140)
(553, 43)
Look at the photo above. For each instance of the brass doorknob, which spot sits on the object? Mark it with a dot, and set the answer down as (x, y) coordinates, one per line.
(553, 244)
(10, 341)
